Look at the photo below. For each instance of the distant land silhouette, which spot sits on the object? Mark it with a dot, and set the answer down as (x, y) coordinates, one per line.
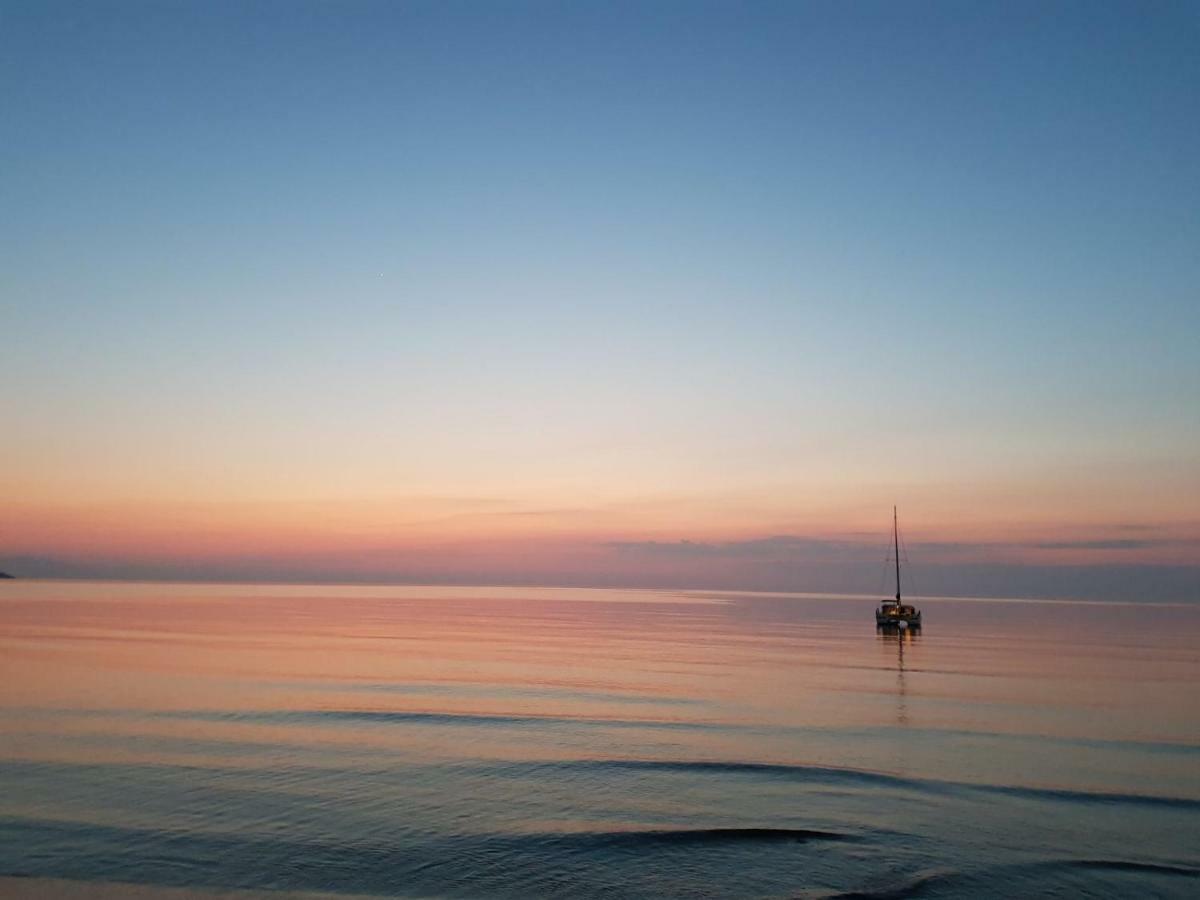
(6, 575)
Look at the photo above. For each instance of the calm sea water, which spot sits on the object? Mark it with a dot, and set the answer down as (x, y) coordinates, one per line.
(501, 742)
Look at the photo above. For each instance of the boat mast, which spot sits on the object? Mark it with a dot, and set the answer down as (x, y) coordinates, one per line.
(896, 538)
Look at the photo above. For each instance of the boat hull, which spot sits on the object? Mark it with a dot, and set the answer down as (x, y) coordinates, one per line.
(893, 619)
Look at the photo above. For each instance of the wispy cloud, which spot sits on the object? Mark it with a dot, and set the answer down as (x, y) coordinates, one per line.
(774, 547)
(1112, 544)
(792, 546)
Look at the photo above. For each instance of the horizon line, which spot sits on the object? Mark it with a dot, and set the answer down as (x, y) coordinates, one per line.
(731, 592)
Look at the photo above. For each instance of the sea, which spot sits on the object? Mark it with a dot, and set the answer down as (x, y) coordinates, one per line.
(537, 742)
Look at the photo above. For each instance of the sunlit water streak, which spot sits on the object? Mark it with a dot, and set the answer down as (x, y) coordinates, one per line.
(492, 742)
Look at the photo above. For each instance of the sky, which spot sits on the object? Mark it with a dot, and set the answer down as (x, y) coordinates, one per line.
(654, 294)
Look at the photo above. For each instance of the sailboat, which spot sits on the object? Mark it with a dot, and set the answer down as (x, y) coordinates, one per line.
(894, 613)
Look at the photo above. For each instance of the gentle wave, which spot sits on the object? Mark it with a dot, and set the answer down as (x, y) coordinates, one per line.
(792, 772)
(1034, 793)
(832, 775)
(397, 717)
(1124, 865)
(334, 716)
(705, 836)
(534, 770)
(539, 692)
(404, 717)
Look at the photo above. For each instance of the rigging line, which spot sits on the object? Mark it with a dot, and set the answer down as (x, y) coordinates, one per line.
(908, 569)
(883, 574)
(884, 569)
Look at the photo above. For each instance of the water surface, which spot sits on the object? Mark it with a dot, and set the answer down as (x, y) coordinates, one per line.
(502, 742)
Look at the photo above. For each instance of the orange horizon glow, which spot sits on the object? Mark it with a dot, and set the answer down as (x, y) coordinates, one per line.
(495, 535)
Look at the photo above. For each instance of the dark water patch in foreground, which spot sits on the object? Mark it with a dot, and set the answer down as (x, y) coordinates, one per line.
(1058, 877)
(563, 863)
(913, 886)
(680, 862)
(1123, 865)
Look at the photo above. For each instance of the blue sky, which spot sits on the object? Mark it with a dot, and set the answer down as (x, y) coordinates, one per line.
(569, 252)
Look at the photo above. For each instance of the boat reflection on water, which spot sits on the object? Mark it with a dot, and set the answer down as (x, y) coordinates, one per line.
(887, 637)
